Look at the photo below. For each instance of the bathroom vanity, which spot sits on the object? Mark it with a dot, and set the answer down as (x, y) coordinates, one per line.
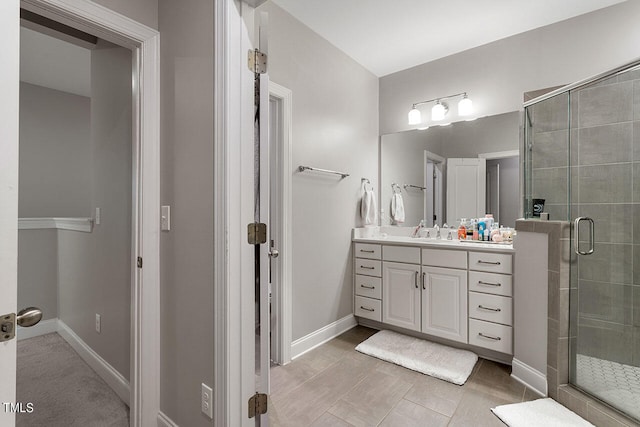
(449, 289)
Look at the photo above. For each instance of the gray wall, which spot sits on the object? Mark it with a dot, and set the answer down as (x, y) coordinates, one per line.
(94, 269)
(187, 185)
(497, 74)
(55, 153)
(335, 126)
(38, 271)
(143, 11)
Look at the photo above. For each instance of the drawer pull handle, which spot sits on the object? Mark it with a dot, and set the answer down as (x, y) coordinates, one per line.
(489, 308)
(367, 287)
(424, 281)
(366, 251)
(480, 282)
(488, 262)
(367, 268)
(489, 336)
(367, 308)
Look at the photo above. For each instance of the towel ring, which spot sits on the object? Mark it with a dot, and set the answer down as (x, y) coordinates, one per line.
(366, 181)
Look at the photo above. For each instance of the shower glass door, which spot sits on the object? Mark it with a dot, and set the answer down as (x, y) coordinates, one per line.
(604, 206)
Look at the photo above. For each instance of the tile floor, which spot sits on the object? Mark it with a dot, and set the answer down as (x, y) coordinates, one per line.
(334, 385)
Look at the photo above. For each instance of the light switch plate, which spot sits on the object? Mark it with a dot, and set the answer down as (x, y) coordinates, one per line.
(165, 218)
(98, 216)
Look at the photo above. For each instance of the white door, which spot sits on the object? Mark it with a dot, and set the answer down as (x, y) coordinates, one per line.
(401, 295)
(444, 303)
(466, 187)
(9, 88)
(263, 352)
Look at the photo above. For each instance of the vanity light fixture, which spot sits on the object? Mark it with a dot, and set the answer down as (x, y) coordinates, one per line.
(441, 108)
(414, 116)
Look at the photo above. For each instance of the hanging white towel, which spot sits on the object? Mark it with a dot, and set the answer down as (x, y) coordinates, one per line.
(397, 208)
(368, 208)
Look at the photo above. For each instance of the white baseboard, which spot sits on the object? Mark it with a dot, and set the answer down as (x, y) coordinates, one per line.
(108, 373)
(532, 378)
(321, 336)
(164, 421)
(44, 327)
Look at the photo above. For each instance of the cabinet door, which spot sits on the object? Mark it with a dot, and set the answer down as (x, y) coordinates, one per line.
(401, 295)
(444, 303)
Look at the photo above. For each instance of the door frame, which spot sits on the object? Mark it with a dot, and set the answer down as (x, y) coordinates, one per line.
(145, 290)
(234, 280)
(282, 184)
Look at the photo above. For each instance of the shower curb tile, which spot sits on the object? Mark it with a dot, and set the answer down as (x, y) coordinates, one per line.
(601, 418)
(575, 403)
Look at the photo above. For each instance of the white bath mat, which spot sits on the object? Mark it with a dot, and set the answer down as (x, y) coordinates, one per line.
(439, 361)
(542, 412)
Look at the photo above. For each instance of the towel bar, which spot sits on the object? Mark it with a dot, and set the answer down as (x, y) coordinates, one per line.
(309, 168)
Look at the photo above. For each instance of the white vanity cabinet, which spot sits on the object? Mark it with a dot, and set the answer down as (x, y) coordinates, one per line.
(452, 292)
(401, 295)
(490, 301)
(444, 303)
(368, 281)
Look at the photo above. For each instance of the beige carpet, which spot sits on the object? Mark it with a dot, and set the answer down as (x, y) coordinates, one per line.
(64, 390)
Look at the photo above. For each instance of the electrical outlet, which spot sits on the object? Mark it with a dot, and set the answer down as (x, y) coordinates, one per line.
(207, 400)
(98, 325)
(98, 216)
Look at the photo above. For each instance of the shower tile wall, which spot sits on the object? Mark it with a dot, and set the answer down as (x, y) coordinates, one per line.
(550, 155)
(605, 175)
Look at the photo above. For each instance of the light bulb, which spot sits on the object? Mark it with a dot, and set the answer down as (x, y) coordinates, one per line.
(414, 116)
(465, 106)
(438, 111)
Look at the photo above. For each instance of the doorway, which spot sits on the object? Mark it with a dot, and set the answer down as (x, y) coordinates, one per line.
(144, 312)
(280, 204)
(75, 223)
(433, 182)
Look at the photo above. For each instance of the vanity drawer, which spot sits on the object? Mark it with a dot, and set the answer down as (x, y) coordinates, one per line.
(492, 308)
(368, 267)
(491, 335)
(491, 262)
(444, 258)
(368, 250)
(406, 254)
(368, 308)
(368, 286)
(491, 283)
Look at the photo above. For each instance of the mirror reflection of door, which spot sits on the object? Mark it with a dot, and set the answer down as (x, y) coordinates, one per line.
(74, 227)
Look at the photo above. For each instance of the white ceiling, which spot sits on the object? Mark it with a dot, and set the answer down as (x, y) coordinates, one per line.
(54, 63)
(386, 36)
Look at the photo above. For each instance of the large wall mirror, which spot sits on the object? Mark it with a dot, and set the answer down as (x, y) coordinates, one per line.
(445, 173)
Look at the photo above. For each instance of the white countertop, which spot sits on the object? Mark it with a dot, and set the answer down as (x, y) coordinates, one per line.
(383, 235)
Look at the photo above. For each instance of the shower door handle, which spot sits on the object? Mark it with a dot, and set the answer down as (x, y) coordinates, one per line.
(576, 235)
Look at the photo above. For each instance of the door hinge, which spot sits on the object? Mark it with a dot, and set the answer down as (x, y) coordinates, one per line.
(257, 404)
(139, 262)
(257, 233)
(257, 61)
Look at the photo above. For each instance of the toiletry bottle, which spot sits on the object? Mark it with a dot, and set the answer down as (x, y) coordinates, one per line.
(474, 234)
(462, 231)
(485, 235)
(470, 229)
(481, 227)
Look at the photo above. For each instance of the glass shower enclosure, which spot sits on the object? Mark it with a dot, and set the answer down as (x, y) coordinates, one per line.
(582, 164)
